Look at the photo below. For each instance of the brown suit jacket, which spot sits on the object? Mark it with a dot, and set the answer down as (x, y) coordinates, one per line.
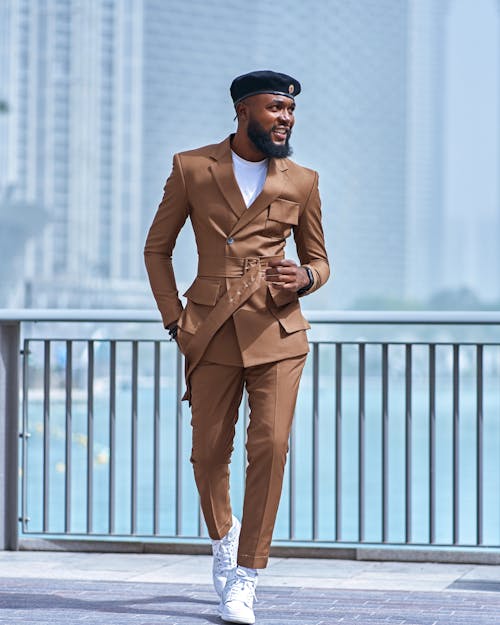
(269, 325)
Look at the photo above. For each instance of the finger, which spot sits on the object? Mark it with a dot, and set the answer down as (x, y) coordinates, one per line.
(283, 282)
(275, 279)
(282, 276)
(282, 270)
(282, 263)
(288, 270)
(286, 286)
(274, 275)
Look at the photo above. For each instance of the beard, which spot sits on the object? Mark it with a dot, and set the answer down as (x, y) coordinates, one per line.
(261, 139)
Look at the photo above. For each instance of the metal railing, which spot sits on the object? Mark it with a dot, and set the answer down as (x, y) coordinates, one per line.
(395, 442)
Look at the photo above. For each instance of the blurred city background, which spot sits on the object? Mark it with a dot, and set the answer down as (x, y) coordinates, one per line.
(399, 114)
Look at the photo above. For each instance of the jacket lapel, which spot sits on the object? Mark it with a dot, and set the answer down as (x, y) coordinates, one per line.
(273, 186)
(222, 170)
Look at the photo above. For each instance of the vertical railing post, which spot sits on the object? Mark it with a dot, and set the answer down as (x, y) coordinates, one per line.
(9, 433)
(178, 445)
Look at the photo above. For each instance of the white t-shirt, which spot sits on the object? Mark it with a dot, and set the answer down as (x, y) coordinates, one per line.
(250, 177)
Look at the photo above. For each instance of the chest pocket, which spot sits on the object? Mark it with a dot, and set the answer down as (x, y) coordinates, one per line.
(281, 216)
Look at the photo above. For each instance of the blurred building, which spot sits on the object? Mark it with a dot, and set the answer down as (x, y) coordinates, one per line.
(19, 219)
(358, 126)
(75, 103)
(425, 226)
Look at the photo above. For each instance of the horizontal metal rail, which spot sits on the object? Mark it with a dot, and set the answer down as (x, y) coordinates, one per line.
(314, 316)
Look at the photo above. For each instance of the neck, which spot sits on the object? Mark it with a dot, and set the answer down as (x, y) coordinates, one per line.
(244, 148)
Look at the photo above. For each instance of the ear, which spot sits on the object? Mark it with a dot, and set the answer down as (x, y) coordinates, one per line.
(241, 111)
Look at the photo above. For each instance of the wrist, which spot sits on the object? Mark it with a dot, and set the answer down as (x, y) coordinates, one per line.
(172, 331)
(310, 282)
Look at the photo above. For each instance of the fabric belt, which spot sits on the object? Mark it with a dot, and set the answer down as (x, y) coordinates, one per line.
(231, 266)
(250, 272)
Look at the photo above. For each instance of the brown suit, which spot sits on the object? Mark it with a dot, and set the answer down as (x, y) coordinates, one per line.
(235, 325)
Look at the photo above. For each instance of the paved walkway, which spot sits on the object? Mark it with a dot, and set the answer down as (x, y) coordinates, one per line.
(122, 589)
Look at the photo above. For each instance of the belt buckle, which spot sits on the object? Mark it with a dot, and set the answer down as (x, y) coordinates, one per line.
(250, 263)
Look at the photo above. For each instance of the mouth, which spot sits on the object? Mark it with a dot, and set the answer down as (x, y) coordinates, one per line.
(280, 133)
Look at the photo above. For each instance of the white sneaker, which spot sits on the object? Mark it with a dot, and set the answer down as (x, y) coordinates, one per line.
(225, 552)
(238, 596)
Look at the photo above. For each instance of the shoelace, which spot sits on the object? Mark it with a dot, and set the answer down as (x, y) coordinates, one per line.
(244, 584)
(224, 554)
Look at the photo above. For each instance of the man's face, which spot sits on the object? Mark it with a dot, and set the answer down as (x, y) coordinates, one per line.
(270, 121)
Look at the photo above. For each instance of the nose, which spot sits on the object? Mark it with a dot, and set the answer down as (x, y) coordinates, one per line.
(285, 116)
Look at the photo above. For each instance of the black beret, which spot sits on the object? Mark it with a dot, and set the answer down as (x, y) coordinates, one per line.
(263, 81)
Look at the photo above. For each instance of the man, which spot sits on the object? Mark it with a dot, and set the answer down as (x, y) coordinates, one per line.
(242, 325)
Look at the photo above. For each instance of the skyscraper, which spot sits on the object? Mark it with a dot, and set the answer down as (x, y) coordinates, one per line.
(425, 148)
(74, 95)
(358, 137)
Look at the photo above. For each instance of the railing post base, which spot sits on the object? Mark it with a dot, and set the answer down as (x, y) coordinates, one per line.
(9, 430)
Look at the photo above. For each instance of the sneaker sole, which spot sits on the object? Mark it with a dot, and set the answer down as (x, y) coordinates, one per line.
(233, 619)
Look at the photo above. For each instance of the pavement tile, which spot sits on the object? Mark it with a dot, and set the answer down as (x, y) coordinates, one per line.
(483, 572)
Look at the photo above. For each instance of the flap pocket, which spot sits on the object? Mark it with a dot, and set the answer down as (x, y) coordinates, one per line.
(291, 318)
(203, 292)
(282, 297)
(284, 211)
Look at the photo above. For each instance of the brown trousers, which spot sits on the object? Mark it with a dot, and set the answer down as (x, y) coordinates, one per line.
(216, 393)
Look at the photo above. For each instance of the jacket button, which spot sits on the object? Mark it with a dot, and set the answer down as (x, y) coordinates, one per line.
(230, 240)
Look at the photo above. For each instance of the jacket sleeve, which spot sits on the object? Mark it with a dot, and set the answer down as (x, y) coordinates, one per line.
(167, 223)
(310, 240)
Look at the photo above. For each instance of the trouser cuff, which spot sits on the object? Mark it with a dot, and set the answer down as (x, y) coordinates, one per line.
(219, 534)
(253, 562)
